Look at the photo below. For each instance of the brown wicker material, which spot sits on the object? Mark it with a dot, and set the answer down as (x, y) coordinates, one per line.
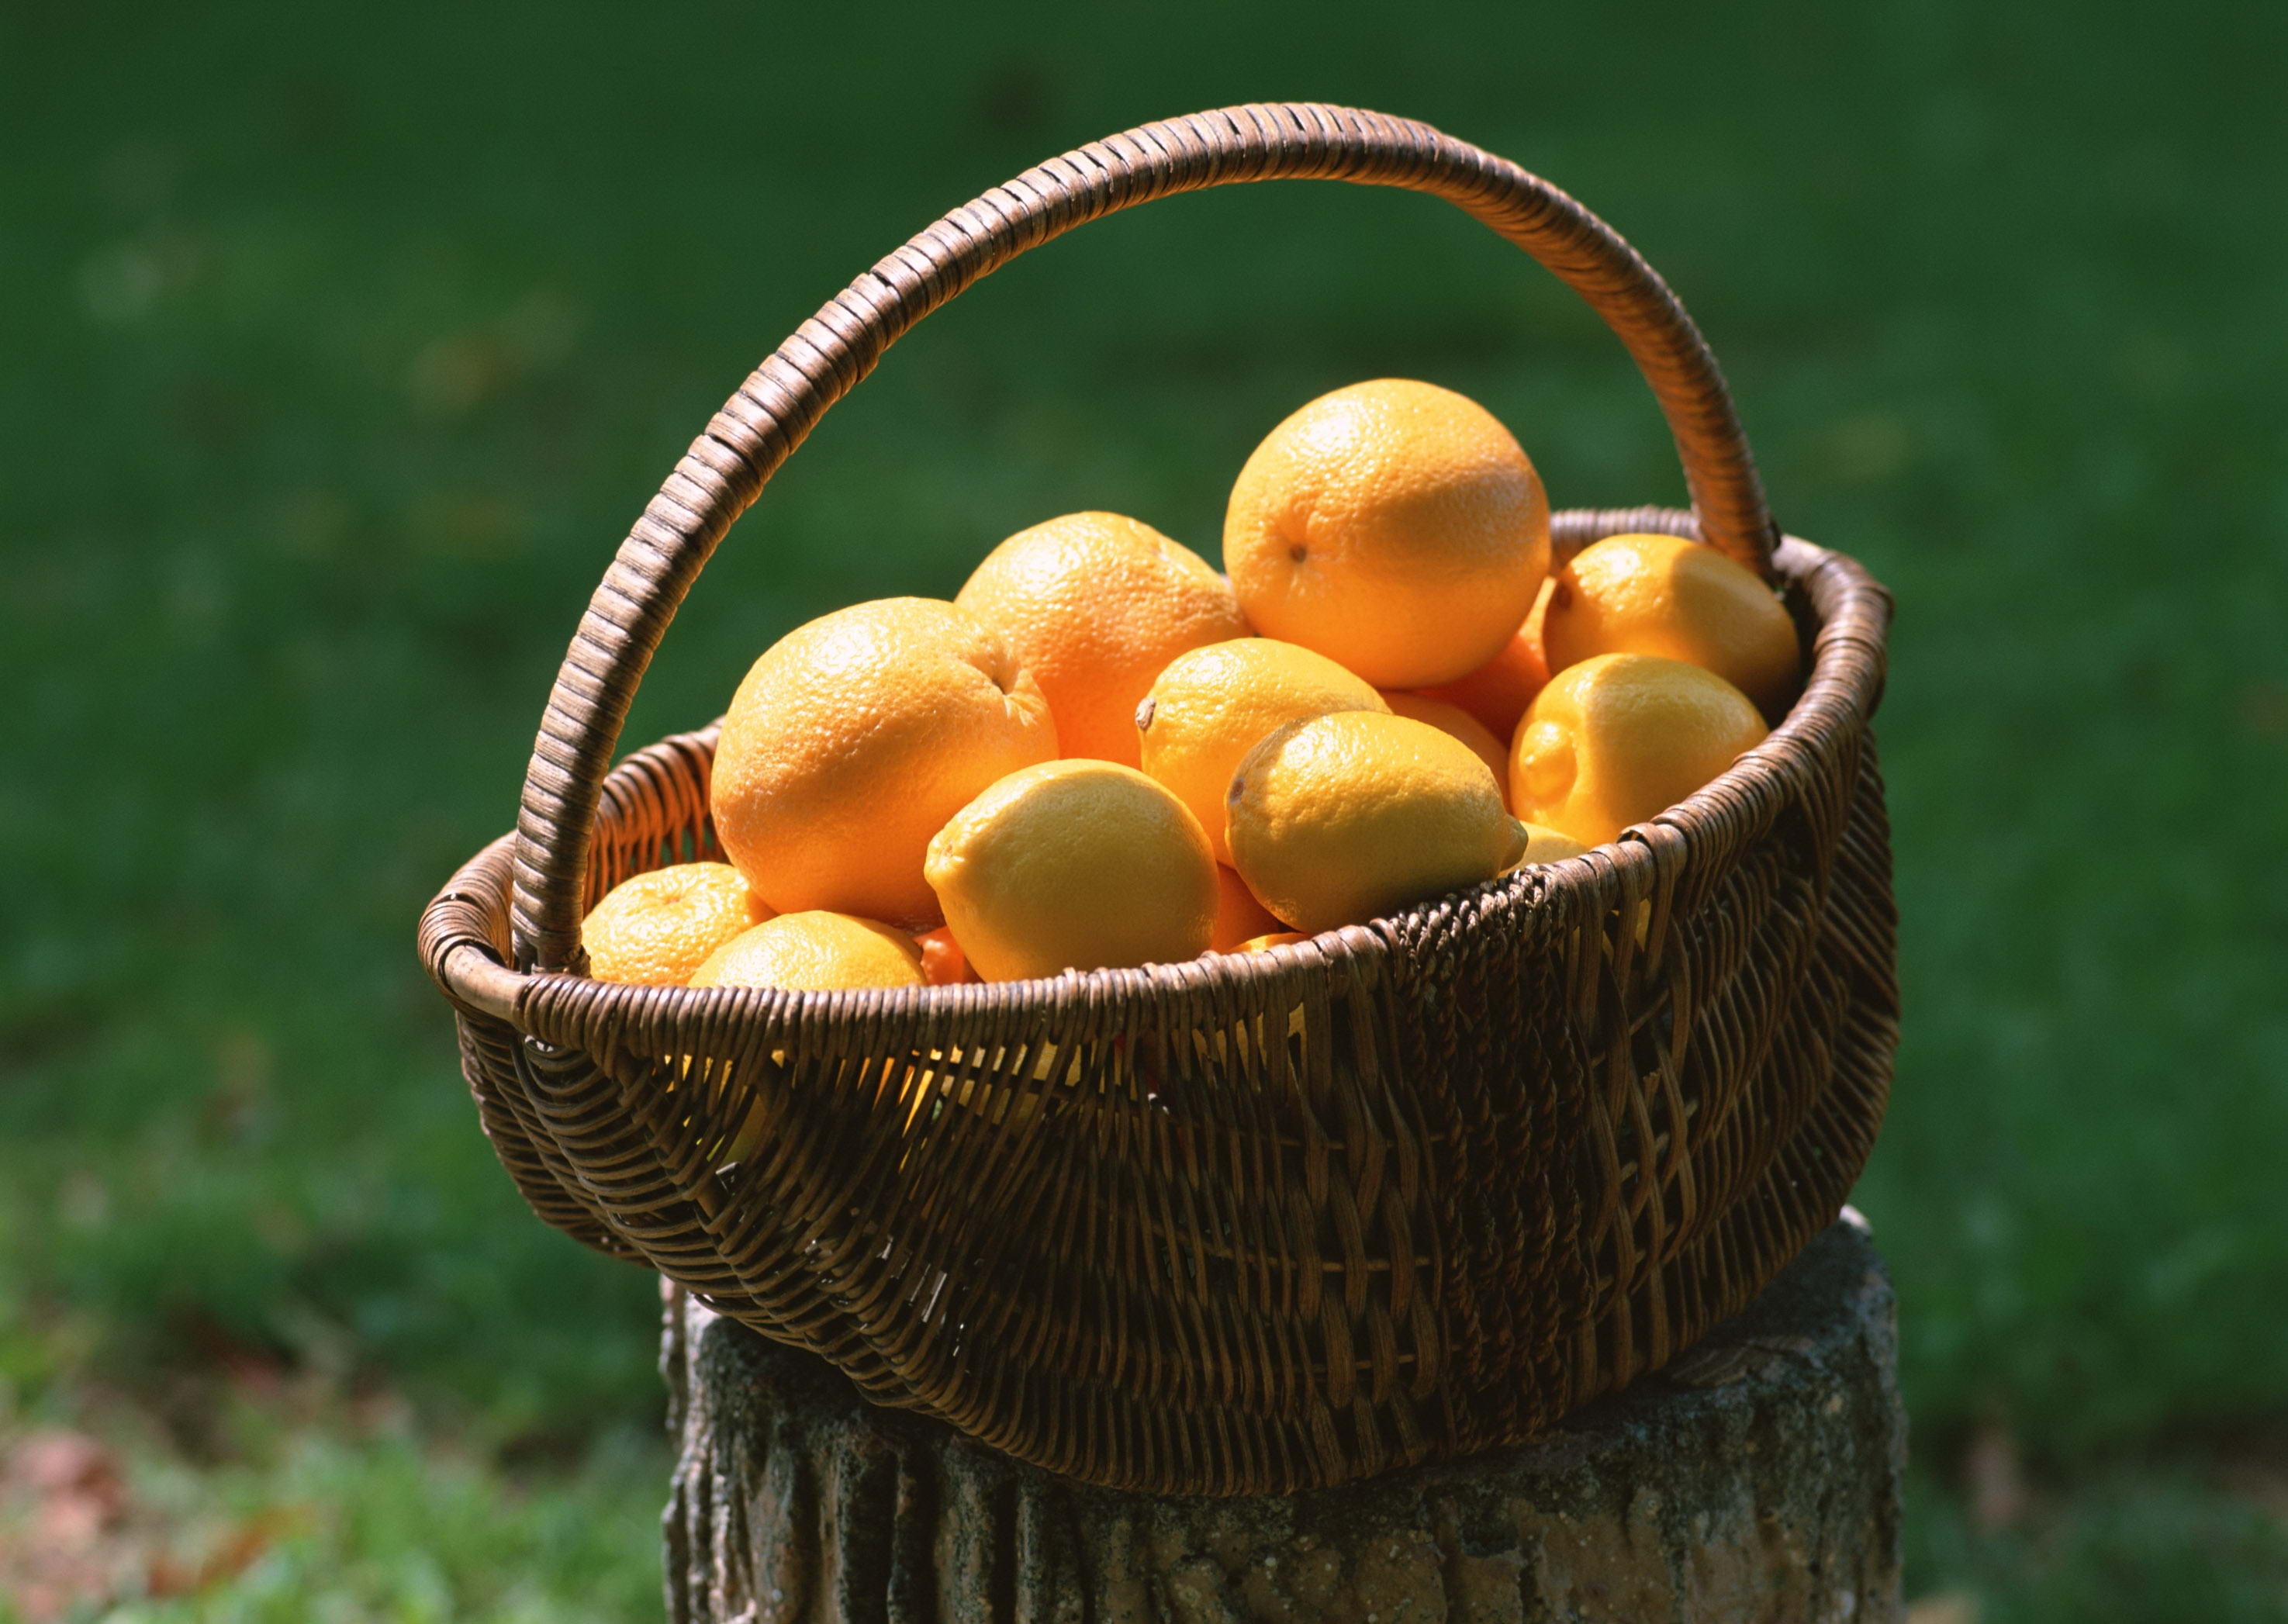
(1252, 1223)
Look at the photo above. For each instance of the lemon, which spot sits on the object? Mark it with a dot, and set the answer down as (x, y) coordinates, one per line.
(1075, 864)
(1211, 706)
(1544, 844)
(1665, 595)
(1449, 718)
(1347, 817)
(1617, 738)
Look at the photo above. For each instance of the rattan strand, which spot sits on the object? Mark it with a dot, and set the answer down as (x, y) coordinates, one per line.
(1253, 1223)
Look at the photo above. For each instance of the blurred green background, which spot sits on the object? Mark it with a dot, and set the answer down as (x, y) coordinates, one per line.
(343, 347)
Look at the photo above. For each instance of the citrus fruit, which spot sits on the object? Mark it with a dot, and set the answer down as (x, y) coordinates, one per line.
(1238, 915)
(1344, 818)
(1498, 691)
(1619, 737)
(1394, 527)
(1665, 595)
(1094, 605)
(656, 928)
(943, 963)
(855, 738)
(1544, 844)
(1270, 940)
(816, 951)
(1452, 719)
(1080, 865)
(1211, 705)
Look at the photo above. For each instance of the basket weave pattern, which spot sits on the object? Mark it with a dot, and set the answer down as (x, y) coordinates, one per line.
(1253, 1223)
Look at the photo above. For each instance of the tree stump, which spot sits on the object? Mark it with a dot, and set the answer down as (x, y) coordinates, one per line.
(1756, 1477)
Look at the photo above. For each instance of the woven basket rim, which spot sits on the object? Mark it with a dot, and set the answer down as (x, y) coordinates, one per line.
(472, 973)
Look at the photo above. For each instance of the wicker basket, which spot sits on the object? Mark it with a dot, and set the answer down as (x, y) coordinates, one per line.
(1253, 1223)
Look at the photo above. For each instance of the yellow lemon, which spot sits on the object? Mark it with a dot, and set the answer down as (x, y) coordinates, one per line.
(1348, 817)
(1081, 865)
(1664, 595)
(1544, 844)
(1617, 738)
(1393, 526)
(815, 952)
(1211, 706)
(1094, 605)
(656, 929)
(1448, 718)
(855, 738)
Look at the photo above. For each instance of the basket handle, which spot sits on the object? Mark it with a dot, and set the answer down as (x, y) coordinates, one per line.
(759, 427)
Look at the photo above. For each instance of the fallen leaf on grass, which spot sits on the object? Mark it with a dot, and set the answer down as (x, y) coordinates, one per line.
(240, 1549)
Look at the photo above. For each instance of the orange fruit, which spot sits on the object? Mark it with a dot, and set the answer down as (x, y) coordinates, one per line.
(1212, 705)
(1094, 605)
(1544, 844)
(1239, 916)
(1394, 527)
(855, 738)
(1074, 865)
(943, 963)
(1345, 818)
(1620, 737)
(817, 952)
(1452, 719)
(1665, 595)
(656, 928)
(1498, 691)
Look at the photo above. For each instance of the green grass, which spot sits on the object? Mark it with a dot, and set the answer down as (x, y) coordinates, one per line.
(342, 355)
(2148, 1542)
(352, 1513)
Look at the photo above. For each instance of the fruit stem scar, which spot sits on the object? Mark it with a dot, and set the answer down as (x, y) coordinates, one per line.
(1144, 713)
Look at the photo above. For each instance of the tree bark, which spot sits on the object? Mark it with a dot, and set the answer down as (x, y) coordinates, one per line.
(1756, 1477)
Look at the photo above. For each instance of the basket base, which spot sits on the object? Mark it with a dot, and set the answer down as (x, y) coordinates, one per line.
(1756, 1477)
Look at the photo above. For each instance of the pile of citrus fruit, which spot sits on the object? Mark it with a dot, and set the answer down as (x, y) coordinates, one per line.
(1104, 753)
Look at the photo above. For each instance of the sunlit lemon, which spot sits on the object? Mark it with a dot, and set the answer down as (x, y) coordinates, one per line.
(1348, 817)
(1074, 865)
(1620, 737)
(1544, 844)
(1450, 718)
(1665, 595)
(1211, 706)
